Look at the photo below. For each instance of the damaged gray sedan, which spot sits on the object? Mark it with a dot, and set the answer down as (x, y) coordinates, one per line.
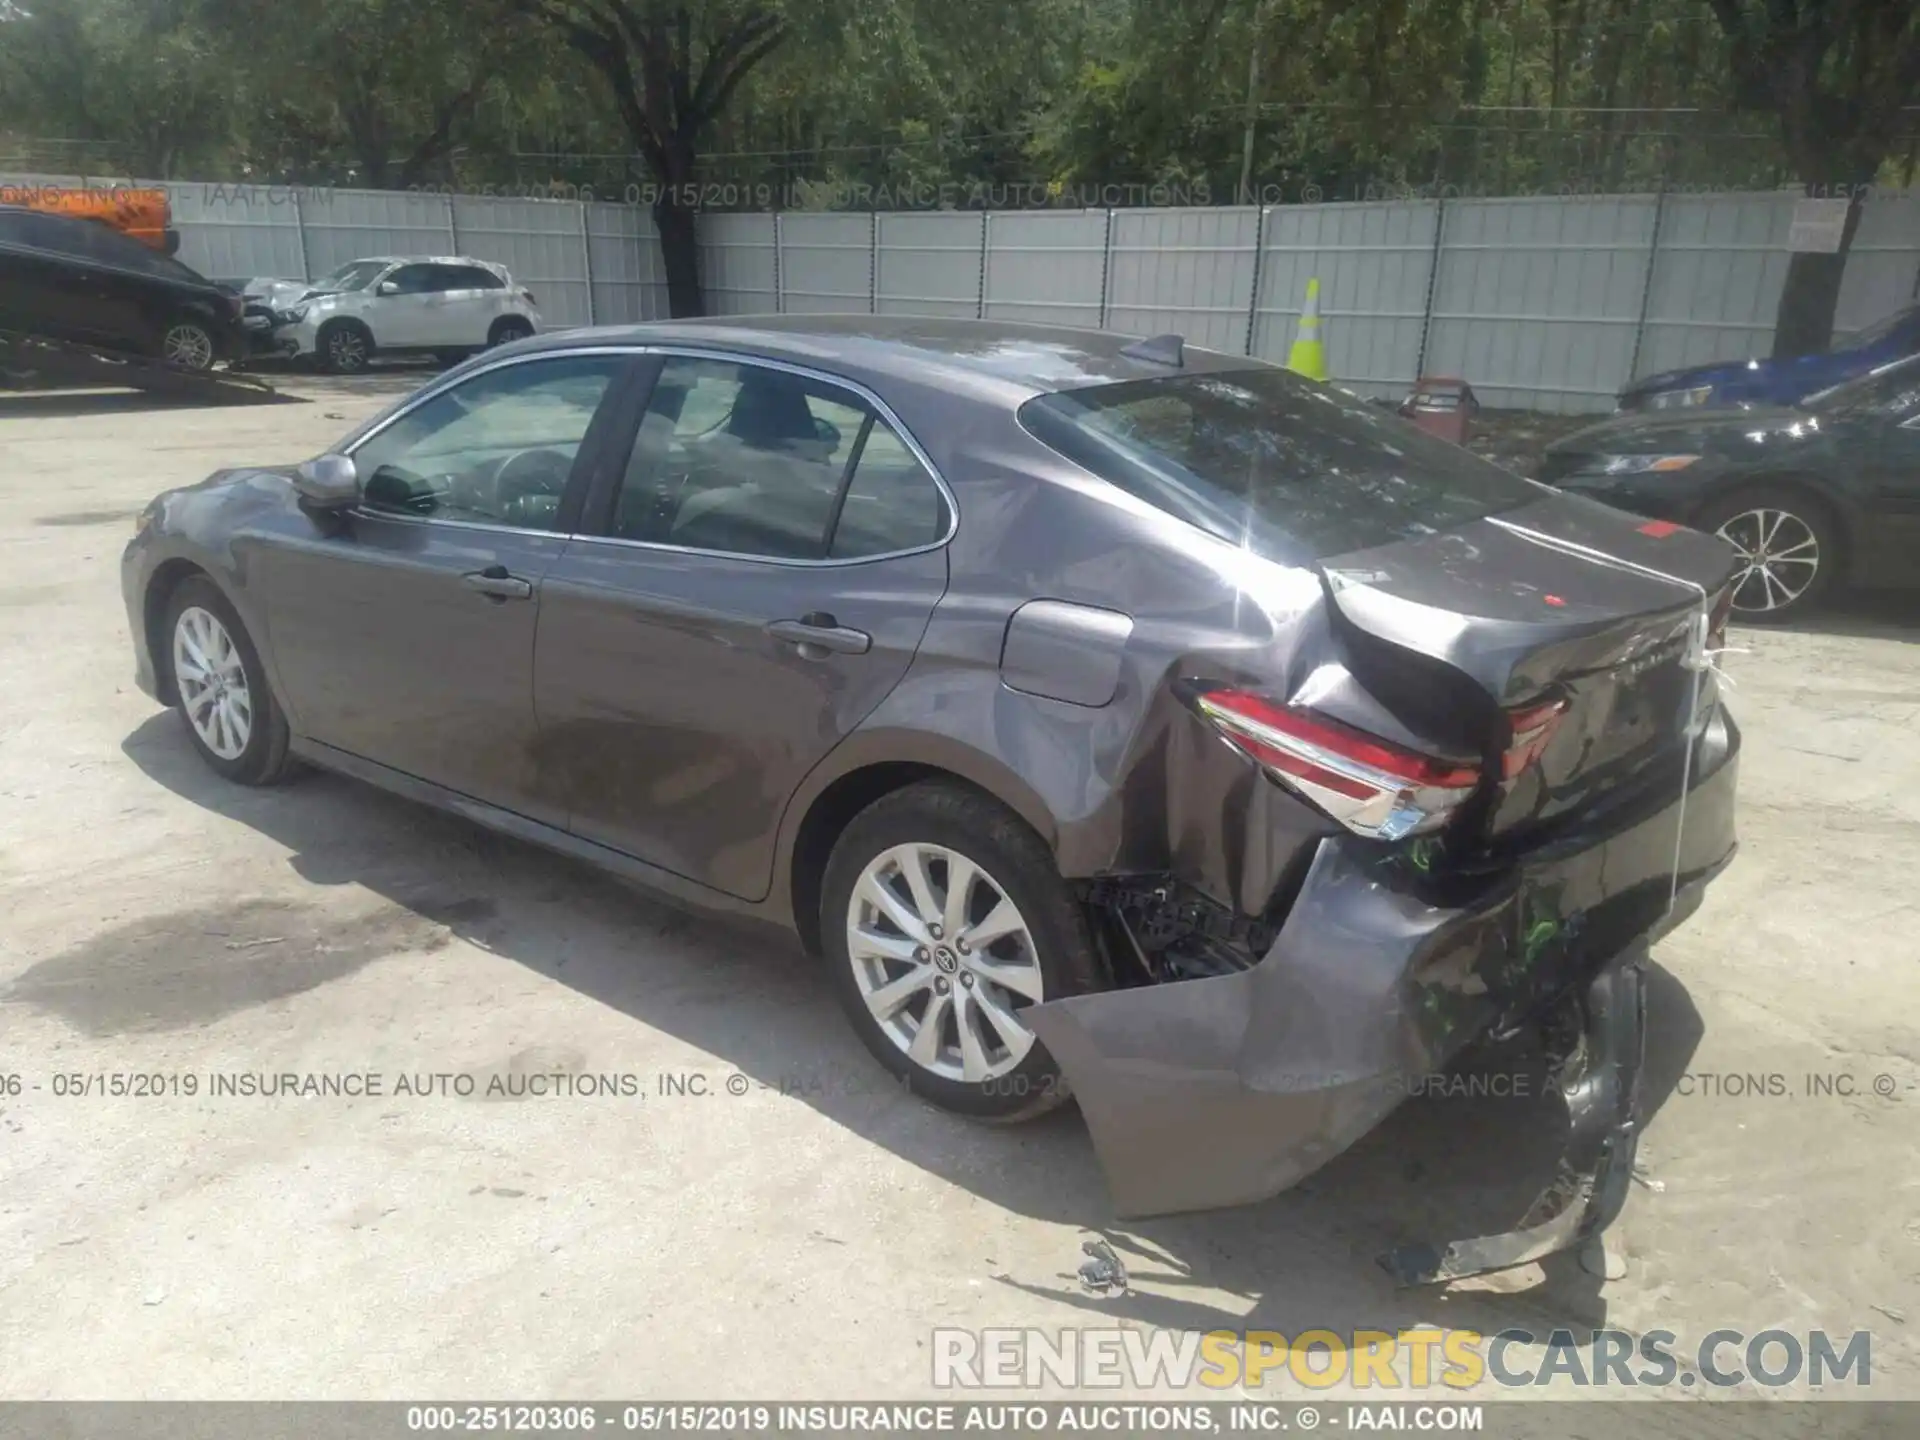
(1118, 719)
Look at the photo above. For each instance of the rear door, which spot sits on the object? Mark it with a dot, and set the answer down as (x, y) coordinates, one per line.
(758, 574)
(474, 301)
(69, 293)
(1889, 458)
(405, 635)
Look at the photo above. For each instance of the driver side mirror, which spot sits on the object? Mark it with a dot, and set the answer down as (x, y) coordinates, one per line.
(331, 482)
(388, 287)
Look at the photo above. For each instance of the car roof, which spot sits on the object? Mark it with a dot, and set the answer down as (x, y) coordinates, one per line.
(421, 260)
(882, 350)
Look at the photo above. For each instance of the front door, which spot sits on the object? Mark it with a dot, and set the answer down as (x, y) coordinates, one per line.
(1889, 464)
(406, 634)
(762, 574)
(412, 316)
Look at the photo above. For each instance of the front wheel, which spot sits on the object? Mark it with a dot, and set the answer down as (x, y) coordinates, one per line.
(344, 349)
(188, 345)
(944, 921)
(1789, 551)
(221, 687)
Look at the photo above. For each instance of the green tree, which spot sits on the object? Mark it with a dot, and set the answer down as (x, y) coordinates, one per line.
(1836, 74)
(140, 82)
(670, 70)
(379, 92)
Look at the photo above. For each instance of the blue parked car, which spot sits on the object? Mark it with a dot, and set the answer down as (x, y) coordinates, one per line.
(1779, 382)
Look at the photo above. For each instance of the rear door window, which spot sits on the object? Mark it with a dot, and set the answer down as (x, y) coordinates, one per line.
(1264, 459)
(748, 460)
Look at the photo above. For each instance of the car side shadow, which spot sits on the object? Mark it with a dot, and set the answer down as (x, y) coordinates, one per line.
(1464, 1158)
(85, 404)
(1854, 614)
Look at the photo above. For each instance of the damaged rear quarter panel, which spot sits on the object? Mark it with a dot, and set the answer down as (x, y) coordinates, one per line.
(1138, 784)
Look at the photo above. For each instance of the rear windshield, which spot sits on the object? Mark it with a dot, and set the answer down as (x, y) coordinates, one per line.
(1267, 460)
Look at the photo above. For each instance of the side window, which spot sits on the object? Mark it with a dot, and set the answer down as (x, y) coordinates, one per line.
(411, 279)
(892, 502)
(496, 449)
(459, 277)
(56, 233)
(739, 458)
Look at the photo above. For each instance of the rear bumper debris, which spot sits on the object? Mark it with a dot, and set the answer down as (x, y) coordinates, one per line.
(1229, 1089)
(1599, 1082)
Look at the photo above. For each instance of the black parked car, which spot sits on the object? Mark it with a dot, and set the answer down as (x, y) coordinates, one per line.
(63, 278)
(1810, 495)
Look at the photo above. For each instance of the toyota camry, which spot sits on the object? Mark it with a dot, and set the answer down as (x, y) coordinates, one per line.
(1116, 719)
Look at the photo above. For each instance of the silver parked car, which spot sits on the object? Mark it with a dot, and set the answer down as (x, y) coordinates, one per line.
(444, 305)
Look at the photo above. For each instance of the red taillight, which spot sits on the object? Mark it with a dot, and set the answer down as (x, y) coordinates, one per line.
(527, 295)
(1372, 786)
(1533, 729)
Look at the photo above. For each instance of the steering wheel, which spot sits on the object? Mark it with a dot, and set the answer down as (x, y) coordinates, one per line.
(527, 485)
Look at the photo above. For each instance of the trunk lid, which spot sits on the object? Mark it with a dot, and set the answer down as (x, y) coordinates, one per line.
(1462, 632)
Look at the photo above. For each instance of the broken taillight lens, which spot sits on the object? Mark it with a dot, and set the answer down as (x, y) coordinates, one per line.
(1533, 729)
(1372, 786)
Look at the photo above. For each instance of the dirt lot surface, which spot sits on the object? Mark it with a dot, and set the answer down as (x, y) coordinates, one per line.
(805, 1237)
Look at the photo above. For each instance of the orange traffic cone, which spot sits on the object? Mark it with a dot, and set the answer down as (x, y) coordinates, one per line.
(1308, 356)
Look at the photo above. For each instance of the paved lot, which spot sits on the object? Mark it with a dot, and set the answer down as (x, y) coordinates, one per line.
(804, 1238)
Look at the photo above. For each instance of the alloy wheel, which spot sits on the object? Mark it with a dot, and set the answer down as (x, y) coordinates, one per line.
(187, 347)
(346, 350)
(212, 681)
(944, 961)
(1779, 555)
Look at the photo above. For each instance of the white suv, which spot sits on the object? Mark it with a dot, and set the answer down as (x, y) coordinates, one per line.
(443, 305)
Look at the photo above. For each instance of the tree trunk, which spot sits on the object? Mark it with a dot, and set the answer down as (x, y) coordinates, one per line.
(1803, 325)
(680, 253)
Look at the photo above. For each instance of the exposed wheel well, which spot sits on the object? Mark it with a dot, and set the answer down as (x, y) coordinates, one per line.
(518, 323)
(344, 322)
(829, 814)
(166, 579)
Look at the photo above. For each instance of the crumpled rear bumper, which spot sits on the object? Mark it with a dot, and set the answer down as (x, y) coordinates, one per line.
(1226, 1090)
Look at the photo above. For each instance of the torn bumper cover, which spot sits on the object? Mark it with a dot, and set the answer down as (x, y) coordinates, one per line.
(1226, 1090)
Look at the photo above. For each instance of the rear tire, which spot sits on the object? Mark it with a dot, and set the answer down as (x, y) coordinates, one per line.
(898, 966)
(343, 347)
(221, 687)
(505, 332)
(1789, 546)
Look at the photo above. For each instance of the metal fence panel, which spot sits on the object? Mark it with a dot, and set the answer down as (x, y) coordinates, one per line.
(1374, 263)
(233, 232)
(623, 259)
(1536, 300)
(345, 225)
(929, 264)
(540, 243)
(826, 262)
(737, 264)
(1883, 267)
(1716, 281)
(1189, 272)
(1046, 267)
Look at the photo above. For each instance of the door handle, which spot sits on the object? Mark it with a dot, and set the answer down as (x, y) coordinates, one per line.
(818, 636)
(497, 584)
